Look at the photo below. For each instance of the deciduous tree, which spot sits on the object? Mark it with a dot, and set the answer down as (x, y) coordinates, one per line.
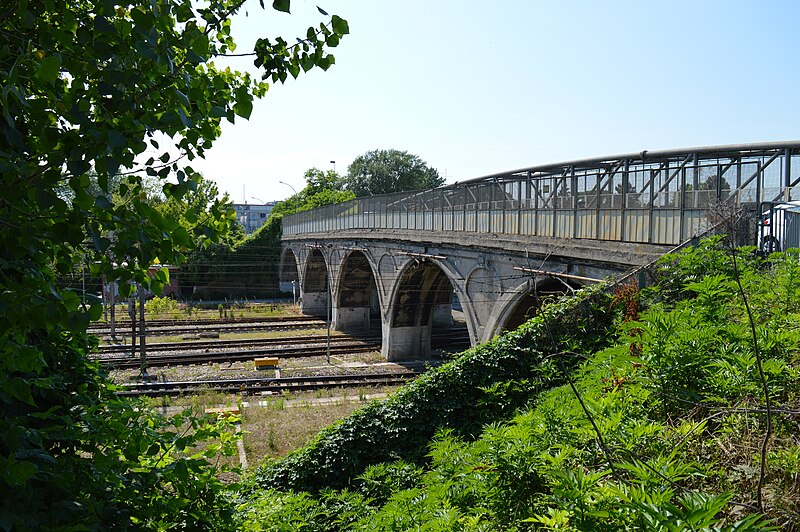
(103, 87)
(385, 171)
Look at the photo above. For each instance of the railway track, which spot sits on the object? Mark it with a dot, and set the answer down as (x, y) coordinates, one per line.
(266, 385)
(339, 346)
(224, 344)
(182, 327)
(182, 359)
(204, 321)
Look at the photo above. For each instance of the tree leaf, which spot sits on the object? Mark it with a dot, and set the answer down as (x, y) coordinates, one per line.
(20, 390)
(49, 69)
(281, 5)
(181, 236)
(340, 25)
(200, 45)
(102, 202)
(243, 107)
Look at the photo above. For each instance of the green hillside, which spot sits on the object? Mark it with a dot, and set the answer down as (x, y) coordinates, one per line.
(617, 409)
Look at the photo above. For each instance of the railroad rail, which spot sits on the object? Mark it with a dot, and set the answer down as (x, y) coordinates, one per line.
(224, 344)
(266, 385)
(339, 346)
(125, 322)
(230, 357)
(206, 326)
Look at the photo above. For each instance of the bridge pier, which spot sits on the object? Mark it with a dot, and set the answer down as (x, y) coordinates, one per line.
(351, 319)
(315, 304)
(406, 343)
(443, 316)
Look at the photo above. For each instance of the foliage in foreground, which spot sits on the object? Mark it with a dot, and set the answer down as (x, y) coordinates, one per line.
(116, 91)
(660, 431)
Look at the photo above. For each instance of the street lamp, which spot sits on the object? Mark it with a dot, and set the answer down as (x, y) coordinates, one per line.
(259, 199)
(334, 166)
(296, 204)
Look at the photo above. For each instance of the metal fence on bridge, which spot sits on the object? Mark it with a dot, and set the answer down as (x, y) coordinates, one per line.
(650, 197)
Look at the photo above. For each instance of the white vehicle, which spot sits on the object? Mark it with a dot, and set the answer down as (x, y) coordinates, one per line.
(778, 226)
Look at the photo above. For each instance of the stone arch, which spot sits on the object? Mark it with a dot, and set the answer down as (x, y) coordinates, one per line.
(289, 271)
(387, 269)
(481, 281)
(420, 287)
(523, 302)
(315, 285)
(358, 299)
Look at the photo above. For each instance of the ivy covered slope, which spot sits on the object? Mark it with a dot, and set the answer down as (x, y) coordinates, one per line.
(664, 428)
(487, 381)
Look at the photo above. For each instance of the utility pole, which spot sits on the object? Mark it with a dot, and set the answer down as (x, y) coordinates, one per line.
(83, 279)
(142, 330)
(132, 314)
(114, 311)
(113, 290)
(142, 338)
(330, 302)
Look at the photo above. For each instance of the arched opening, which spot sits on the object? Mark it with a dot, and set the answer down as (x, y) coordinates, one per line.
(422, 304)
(357, 306)
(528, 305)
(315, 285)
(289, 277)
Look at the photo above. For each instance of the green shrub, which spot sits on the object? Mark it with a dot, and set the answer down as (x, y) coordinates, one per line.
(159, 306)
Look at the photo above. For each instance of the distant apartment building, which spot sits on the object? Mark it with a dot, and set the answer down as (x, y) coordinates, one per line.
(252, 215)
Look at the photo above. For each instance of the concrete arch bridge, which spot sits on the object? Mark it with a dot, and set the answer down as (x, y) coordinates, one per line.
(501, 244)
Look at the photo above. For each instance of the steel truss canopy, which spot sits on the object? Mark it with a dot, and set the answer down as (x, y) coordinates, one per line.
(657, 197)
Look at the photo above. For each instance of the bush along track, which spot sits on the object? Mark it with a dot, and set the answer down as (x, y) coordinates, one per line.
(642, 411)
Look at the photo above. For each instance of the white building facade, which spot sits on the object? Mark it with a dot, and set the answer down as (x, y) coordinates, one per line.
(252, 215)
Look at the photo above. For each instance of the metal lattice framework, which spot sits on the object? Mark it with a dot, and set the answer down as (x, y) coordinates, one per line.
(659, 197)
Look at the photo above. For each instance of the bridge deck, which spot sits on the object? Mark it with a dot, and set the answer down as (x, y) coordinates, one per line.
(661, 198)
(621, 254)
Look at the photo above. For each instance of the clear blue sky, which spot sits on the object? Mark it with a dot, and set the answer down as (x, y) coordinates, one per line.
(475, 88)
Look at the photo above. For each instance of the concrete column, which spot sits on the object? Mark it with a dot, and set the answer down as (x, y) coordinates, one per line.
(315, 304)
(443, 315)
(350, 319)
(406, 343)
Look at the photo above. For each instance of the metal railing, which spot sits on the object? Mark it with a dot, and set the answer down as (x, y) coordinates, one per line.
(649, 197)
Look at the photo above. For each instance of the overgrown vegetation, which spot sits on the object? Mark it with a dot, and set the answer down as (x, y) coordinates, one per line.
(86, 88)
(248, 266)
(451, 396)
(644, 411)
